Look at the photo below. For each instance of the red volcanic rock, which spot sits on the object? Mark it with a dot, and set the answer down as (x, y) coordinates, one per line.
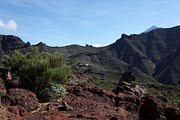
(91, 102)
(47, 116)
(22, 111)
(13, 109)
(151, 109)
(172, 113)
(19, 111)
(129, 102)
(11, 116)
(23, 98)
(86, 102)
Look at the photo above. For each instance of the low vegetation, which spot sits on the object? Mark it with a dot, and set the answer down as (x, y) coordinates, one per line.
(153, 91)
(163, 117)
(102, 83)
(38, 70)
(53, 91)
(171, 93)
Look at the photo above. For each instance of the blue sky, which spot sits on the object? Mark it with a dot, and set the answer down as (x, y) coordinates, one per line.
(94, 22)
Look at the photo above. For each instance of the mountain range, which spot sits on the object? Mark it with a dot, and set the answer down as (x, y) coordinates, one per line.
(153, 56)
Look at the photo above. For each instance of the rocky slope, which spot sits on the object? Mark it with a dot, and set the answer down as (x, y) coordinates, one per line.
(86, 102)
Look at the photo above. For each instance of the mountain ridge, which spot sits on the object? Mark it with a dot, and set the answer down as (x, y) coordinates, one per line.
(153, 56)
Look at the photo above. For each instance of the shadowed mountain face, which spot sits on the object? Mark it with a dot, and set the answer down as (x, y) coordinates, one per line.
(152, 56)
(156, 53)
(9, 43)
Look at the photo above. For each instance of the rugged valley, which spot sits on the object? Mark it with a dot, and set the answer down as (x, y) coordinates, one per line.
(135, 78)
(153, 56)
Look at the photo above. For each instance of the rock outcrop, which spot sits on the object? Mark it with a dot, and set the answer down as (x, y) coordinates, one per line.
(151, 109)
(127, 77)
(10, 43)
(125, 86)
(172, 113)
(24, 98)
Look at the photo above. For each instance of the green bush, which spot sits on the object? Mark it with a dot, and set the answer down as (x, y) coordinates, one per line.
(175, 100)
(153, 91)
(54, 91)
(37, 70)
(96, 81)
(163, 117)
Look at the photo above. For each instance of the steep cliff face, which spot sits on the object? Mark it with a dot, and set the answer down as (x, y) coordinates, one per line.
(155, 53)
(9, 43)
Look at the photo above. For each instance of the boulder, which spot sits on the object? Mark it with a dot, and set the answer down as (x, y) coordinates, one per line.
(151, 109)
(172, 113)
(65, 107)
(18, 111)
(23, 112)
(127, 77)
(23, 98)
(124, 83)
(11, 116)
(13, 109)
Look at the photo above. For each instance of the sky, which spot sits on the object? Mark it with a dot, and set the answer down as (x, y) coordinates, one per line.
(93, 22)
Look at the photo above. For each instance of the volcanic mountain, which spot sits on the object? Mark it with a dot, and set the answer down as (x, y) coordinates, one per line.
(152, 56)
(151, 28)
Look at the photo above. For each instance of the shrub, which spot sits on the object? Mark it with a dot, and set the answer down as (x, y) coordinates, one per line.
(54, 91)
(175, 100)
(37, 70)
(106, 84)
(163, 117)
(153, 91)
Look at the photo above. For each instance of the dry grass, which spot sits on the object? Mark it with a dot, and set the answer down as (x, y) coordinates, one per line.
(3, 113)
(122, 114)
(3, 109)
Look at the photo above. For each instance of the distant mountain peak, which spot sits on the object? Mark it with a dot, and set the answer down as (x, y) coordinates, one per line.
(150, 29)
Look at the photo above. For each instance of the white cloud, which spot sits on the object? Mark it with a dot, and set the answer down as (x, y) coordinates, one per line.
(10, 25)
(100, 45)
(1, 24)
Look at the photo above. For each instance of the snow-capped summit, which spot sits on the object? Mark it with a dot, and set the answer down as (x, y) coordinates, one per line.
(150, 29)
